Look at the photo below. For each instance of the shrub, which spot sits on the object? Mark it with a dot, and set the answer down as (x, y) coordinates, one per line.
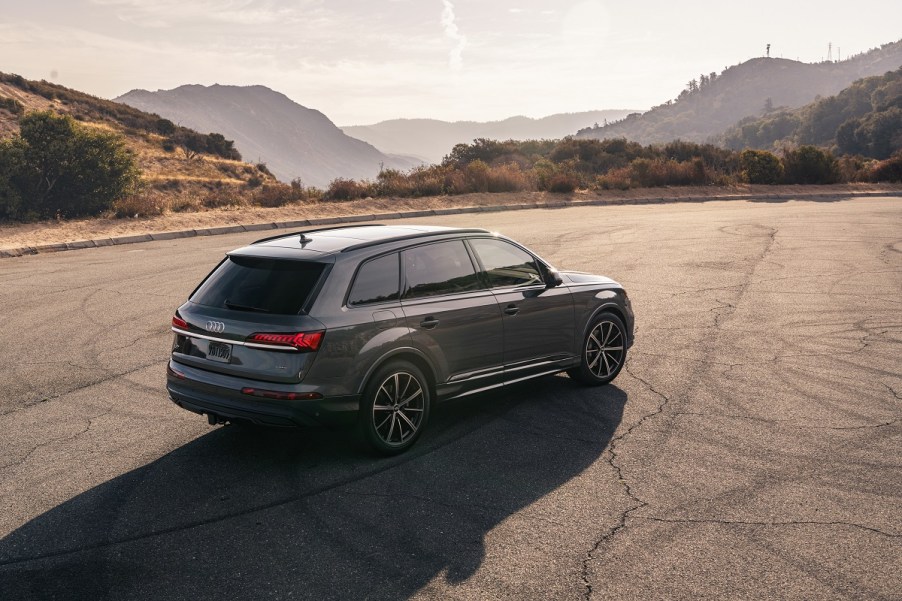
(760, 167)
(809, 165)
(615, 179)
(12, 105)
(139, 205)
(563, 182)
(888, 170)
(507, 178)
(254, 181)
(223, 197)
(56, 166)
(277, 195)
(347, 189)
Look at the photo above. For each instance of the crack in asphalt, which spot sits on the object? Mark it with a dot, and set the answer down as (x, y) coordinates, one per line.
(90, 423)
(612, 457)
(754, 523)
(787, 421)
(725, 310)
(112, 376)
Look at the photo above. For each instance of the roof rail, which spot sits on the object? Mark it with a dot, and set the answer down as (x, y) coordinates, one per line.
(318, 229)
(472, 230)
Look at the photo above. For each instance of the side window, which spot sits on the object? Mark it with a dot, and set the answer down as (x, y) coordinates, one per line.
(376, 281)
(441, 268)
(505, 264)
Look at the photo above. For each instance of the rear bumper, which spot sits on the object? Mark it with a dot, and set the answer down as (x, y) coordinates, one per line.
(192, 389)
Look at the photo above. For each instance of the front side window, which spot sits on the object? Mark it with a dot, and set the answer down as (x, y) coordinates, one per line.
(443, 268)
(376, 282)
(505, 264)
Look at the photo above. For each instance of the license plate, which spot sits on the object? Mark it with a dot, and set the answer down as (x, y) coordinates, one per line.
(219, 351)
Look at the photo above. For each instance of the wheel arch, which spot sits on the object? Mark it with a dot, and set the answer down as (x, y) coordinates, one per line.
(409, 354)
(605, 308)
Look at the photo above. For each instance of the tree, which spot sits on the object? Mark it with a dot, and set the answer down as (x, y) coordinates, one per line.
(57, 167)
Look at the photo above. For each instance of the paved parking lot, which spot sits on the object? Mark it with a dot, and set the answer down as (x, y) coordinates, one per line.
(750, 449)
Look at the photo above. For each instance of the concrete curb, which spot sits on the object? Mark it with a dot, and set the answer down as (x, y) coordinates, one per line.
(552, 204)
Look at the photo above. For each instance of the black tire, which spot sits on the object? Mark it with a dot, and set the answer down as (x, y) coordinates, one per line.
(394, 408)
(603, 351)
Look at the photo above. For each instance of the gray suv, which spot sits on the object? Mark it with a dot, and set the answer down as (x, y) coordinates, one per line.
(377, 323)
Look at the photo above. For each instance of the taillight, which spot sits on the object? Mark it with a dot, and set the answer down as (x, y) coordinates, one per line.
(178, 322)
(302, 341)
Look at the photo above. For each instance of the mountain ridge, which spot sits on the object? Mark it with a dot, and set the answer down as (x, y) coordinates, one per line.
(744, 90)
(293, 140)
(433, 139)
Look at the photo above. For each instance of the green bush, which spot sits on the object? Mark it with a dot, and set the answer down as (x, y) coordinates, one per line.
(809, 165)
(57, 167)
(760, 167)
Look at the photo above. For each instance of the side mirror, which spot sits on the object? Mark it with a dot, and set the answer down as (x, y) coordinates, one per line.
(552, 278)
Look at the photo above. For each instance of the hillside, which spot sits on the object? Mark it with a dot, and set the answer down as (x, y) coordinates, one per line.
(432, 139)
(181, 168)
(720, 101)
(293, 141)
(865, 119)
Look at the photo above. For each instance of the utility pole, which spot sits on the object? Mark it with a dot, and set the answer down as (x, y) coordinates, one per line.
(830, 52)
(768, 51)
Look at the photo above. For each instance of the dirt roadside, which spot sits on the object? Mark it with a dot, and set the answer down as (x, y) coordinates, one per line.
(54, 232)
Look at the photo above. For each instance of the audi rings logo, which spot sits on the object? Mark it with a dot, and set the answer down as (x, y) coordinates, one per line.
(217, 327)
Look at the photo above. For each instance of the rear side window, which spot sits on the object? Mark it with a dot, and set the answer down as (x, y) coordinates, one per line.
(260, 285)
(377, 281)
(505, 264)
(442, 268)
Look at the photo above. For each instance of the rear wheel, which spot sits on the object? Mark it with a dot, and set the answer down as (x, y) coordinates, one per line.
(395, 407)
(603, 351)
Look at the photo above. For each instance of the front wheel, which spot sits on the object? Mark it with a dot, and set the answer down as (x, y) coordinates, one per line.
(395, 407)
(603, 351)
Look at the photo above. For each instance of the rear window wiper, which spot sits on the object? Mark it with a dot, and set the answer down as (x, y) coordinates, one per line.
(238, 307)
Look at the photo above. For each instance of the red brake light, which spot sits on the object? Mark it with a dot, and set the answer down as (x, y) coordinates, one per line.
(302, 341)
(178, 322)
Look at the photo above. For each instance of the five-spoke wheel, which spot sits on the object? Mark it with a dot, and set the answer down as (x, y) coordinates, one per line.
(395, 407)
(604, 351)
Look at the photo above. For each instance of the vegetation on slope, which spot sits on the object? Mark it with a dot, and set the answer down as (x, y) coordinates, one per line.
(714, 102)
(177, 169)
(864, 119)
(570, 164)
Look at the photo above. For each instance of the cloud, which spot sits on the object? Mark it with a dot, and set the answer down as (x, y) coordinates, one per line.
(455, 57)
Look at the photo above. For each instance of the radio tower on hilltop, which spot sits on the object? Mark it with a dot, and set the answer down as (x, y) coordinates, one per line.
(830, 52)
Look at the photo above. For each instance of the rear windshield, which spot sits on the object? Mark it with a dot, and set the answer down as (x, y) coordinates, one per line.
(260, 285)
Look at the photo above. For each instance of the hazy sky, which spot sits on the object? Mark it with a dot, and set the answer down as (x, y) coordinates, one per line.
(361, 61)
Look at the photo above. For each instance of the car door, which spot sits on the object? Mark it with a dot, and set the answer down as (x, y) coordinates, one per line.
(451, 315)
(539, 322)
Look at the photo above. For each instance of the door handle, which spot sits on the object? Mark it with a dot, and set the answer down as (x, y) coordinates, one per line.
(429, 323)
(511, 310)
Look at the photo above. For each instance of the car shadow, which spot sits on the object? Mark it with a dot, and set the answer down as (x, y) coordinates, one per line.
(281, 514)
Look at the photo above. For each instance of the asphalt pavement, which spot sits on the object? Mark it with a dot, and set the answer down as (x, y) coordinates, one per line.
(749, 450)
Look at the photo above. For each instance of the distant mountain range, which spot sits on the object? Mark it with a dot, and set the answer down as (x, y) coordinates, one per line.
(432, 139)
(716, 103)
(267, 126)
